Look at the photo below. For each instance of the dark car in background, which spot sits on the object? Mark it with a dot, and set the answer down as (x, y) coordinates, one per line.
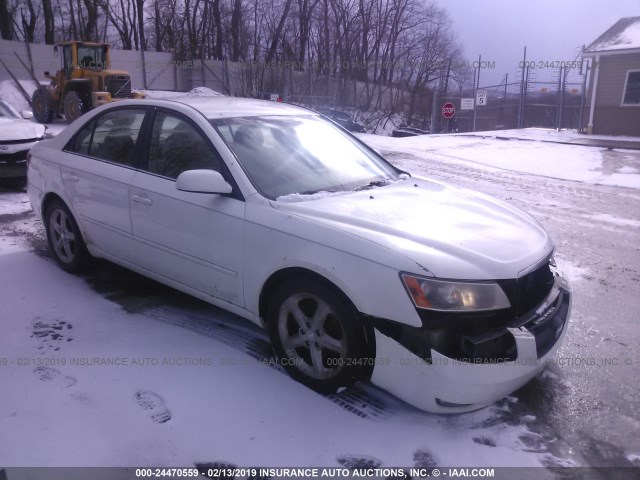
(404, 131)
(344, 120)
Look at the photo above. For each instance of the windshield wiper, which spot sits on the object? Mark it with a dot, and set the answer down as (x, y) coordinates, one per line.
(372, 184)
(313, 192)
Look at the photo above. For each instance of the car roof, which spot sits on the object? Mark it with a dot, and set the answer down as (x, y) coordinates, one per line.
(225, 107)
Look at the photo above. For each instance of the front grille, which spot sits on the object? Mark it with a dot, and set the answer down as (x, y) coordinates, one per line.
(17, 142)
(119, 86)
(528, 291)
(14, 157)
(534, 287)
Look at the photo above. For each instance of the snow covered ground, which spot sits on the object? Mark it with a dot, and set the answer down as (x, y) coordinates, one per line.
(111, 369)
(594, 165)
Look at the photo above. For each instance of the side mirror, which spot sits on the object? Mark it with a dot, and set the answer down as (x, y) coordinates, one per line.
(202, 181)
(27, 114)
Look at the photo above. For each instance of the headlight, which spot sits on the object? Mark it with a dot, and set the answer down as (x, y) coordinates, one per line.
(442, 295)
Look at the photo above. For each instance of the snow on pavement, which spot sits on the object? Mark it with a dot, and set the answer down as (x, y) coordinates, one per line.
(569, 162)
(13, 203)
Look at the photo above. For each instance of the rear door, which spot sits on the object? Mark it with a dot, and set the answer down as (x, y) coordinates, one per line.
(97, 169)
(194, 239)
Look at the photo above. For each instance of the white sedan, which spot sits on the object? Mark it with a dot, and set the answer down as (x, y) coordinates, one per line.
(17, 136)
(447, 298)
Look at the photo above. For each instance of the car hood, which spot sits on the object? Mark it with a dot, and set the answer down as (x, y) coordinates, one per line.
(449, 231)
(16, 129)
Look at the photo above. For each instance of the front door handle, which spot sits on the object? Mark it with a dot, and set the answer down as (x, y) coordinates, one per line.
(143, 200)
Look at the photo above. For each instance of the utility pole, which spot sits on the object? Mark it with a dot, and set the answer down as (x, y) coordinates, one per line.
(476, 85)
(446, 79)
(583, 95)
(561, 85)
(522, 90)
(504, 98)
(434, 112)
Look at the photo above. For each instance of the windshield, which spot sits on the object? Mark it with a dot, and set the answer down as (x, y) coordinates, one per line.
(285, 155)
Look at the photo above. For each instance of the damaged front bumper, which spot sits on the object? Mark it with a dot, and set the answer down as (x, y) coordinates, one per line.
(425, 378)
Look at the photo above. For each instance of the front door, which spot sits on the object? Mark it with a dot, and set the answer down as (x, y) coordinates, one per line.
(194, 239)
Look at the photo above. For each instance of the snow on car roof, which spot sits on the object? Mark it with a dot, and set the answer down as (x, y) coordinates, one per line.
(222, 107)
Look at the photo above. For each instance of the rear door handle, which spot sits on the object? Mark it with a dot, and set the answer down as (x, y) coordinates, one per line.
(143, 200)
(71, 177)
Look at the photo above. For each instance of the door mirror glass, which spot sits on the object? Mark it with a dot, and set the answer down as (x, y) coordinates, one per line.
(202, 181)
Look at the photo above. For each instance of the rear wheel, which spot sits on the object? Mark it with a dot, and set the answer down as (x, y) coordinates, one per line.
(42, 105)
(318, 336)
(75, 104)
(64, 237)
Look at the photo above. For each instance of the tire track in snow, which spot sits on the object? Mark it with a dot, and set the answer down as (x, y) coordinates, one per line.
(363, 400)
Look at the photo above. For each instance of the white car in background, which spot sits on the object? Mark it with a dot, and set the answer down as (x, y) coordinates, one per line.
(447, 298)
(17, 136)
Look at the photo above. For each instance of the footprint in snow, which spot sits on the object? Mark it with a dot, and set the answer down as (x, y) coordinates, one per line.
(355, 462)
(49, 374)
(424, 459)
(154, 405)
(49, 333)
(533, 442)
(489, 442)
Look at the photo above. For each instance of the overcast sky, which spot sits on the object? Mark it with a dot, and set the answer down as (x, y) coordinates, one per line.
(550, 29)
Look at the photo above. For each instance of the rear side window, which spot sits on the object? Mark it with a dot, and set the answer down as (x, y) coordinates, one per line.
(112, 136)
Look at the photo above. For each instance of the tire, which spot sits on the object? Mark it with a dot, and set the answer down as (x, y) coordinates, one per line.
(42, 105)
(318, 336)
(64, 238)
(75, 105)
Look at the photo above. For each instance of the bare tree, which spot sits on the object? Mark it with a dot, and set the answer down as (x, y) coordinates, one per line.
(6, 26)
(276, 35)
(49, 22)
(28, 21)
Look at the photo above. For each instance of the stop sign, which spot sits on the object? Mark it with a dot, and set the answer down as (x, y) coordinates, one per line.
(448, 110)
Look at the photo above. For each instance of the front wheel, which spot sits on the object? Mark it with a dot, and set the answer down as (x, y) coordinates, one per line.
(318, 336)
(65, 240)
(75, 105)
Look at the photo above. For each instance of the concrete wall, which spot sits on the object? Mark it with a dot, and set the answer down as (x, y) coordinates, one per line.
(162, 73)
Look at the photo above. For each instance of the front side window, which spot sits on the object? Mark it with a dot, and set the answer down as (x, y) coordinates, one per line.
(112, 136)
(177, 146)
(632, 89)
(300, 155)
